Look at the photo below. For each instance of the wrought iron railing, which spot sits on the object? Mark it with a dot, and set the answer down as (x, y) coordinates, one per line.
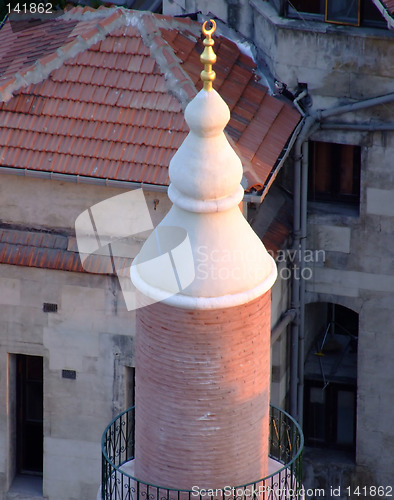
(286, 444)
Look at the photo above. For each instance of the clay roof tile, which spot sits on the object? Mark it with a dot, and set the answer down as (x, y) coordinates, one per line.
(113, 109)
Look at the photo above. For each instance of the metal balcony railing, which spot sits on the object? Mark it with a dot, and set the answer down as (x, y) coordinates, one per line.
(286, 444)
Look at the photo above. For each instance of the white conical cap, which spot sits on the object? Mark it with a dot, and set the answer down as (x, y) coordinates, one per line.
(204, 254)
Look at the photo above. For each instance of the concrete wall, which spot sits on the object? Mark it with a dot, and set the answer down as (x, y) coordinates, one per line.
(337, 63)
(45, 203)
(235, 13)
(342, 64)
(92, 333)
(345, 64)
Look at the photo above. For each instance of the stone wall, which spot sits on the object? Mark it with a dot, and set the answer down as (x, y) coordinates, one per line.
(342, 64)
(53, 204)
(92, 333)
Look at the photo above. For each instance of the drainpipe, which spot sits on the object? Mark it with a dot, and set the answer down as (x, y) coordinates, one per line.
(363, 127)
(303, 224)
(81, 179)
(295, 296)
(299, 232)
(355, 106)
(112, 183)
(311, 123)
(286, 318)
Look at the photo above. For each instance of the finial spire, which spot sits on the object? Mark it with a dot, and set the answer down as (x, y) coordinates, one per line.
(208, 57)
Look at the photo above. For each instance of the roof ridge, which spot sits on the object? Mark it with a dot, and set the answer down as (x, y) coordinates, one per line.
(178, 82)
(43, 66)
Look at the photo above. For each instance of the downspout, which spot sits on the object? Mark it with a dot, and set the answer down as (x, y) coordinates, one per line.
(303, 216)
(286, 318)
(295, 289)
(299, 243)
(295, 295)
(311, 123)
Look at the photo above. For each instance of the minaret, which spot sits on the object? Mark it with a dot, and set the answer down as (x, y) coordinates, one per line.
(203, 354)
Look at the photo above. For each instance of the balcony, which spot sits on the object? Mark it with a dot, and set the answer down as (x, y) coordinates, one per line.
(283, 482)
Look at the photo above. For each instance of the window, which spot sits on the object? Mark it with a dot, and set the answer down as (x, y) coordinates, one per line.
(29, 414)
(129, 386)
(352, 12)
(330, 415)
(334, 172)
(343, 12)
(331, 378)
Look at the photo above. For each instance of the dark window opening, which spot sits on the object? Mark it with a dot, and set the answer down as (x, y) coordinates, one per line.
(351, 12)
(330, 415)
(129, 386)
(29, 414)
(343, 12)
(334, 172)
(331, 382)
(307, 6)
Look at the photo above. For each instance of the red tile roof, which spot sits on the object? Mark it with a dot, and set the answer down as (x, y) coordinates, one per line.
(101, 93)
(277, 235)
(33, 248)
(389, 5)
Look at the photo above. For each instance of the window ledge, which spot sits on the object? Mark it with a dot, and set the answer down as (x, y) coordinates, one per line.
(25, 487)
(334, 209)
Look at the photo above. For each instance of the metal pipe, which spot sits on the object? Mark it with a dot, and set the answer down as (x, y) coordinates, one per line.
(310, 125)
(368, 127)
(285, 319)
(298, 98)
(96, 181)
(309, 122)
(81, 179)
(355, 106)
(295, 287)
(301, 346)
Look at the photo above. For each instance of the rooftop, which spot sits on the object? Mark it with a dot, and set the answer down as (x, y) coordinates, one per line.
(100, 93)
(389, 5)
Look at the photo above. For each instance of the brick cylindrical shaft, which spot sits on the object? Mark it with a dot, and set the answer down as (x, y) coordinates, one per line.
(202, 395)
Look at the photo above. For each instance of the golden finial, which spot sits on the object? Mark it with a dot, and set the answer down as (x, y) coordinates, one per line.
(208, 57)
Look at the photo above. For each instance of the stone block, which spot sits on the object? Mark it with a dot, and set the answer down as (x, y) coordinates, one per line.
(10, 291)
(331, 238)
(64, 461)
(380, 201)
(81, 297)
(68, 348)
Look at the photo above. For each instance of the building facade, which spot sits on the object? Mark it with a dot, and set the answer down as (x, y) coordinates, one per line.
(342, 57)
(91, 107)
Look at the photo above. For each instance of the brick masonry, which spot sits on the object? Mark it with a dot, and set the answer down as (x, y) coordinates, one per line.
(202, 395)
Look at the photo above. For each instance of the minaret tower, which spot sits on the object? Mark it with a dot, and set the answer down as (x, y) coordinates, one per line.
(203, 354)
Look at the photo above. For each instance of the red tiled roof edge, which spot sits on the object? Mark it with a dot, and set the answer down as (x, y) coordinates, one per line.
(178, 82)
(386, 8)
(388, 4)
(41, 69)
